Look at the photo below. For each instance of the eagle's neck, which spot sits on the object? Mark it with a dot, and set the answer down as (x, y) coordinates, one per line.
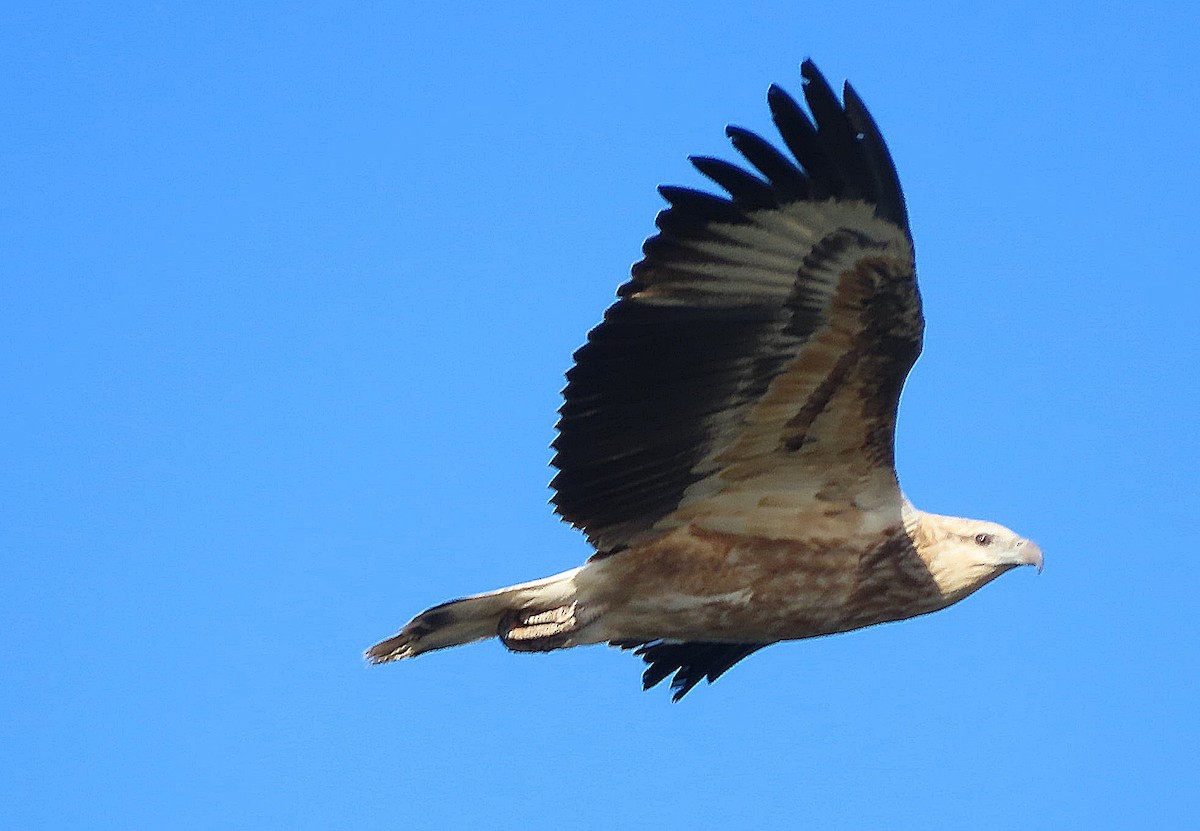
(944, 545)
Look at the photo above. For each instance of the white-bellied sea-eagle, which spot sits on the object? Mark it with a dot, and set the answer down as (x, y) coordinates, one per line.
(726, 436)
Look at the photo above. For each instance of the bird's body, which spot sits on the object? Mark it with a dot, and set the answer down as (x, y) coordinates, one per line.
(726, 440)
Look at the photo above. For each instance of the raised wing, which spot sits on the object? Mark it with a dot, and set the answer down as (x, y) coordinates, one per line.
(760, 347)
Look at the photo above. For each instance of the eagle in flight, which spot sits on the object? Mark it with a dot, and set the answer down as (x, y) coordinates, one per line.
(726, 439)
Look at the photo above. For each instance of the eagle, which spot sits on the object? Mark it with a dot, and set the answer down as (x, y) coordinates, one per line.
(726, 440)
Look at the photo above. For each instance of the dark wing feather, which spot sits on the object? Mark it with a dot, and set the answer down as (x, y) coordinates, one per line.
(837, 135)
(889, 199)
(747, 190)
(800, 136)
(787, 182)
(691, 662)
(729, 294)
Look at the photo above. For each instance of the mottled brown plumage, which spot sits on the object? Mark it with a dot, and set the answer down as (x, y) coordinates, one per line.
(726, 440)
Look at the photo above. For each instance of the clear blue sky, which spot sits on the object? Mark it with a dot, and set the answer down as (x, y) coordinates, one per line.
(287, 294)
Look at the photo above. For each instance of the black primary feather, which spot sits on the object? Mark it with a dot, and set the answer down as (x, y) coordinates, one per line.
(692, 662)
(789, 183)
(747, 190)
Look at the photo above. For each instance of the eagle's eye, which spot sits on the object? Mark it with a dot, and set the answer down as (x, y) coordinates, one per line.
(983, 539)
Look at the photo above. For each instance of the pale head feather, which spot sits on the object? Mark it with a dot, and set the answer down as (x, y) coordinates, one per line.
(963, 555)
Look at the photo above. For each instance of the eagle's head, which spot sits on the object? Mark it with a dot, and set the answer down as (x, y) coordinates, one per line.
(965, 554)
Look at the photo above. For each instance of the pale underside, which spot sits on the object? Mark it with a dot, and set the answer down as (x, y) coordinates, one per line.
(694, 584)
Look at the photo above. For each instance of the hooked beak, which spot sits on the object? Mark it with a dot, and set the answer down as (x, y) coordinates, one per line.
(1029, 554)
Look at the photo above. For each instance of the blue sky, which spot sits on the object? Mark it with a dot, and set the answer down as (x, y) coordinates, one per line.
(287, 294)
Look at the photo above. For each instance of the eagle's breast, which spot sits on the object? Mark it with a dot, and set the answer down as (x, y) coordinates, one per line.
(697, 583)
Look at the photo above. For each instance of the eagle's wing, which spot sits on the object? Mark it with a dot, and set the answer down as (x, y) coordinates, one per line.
(753, 365)
(691, 662)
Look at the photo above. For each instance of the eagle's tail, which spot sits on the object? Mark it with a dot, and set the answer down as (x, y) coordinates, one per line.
(530, 617)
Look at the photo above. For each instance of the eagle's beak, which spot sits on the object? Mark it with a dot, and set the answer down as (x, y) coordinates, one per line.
(1029, 554)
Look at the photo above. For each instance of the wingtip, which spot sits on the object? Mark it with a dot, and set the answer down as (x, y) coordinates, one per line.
(854, 103)
(812, 76)
(858, 115)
